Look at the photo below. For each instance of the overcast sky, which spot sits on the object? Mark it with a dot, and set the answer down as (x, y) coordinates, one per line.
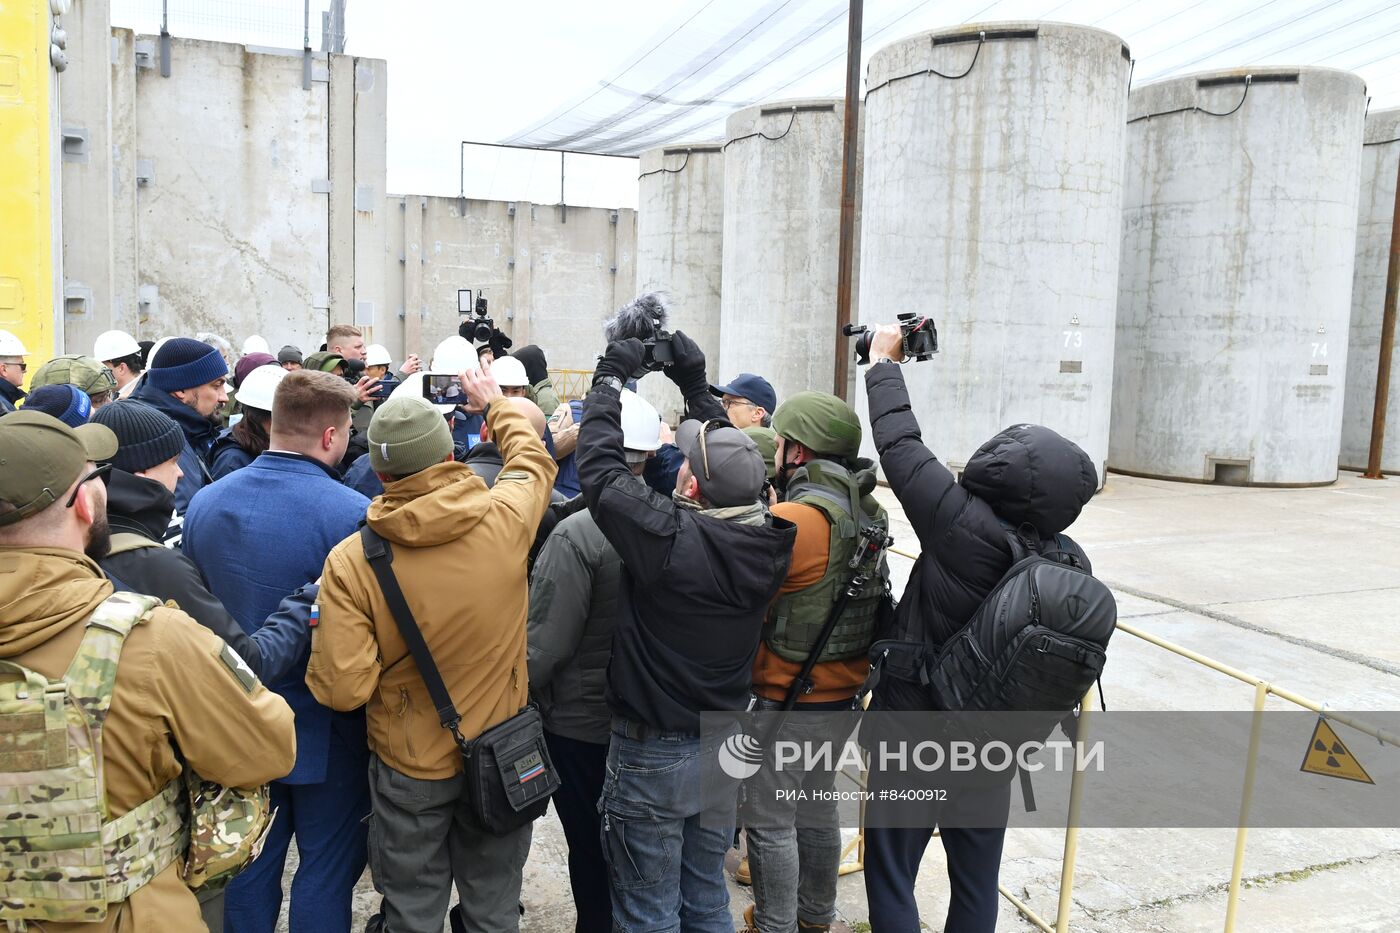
(469, 69)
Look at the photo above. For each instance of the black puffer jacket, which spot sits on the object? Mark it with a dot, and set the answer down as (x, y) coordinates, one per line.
(696, 589)
(1026, 475)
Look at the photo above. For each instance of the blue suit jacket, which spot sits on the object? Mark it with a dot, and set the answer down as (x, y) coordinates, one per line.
(261, 533)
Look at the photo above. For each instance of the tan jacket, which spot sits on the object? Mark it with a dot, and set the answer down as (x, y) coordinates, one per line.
(172, 689)
(459, 556)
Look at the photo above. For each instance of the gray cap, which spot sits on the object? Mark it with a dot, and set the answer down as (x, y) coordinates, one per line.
(725, 461)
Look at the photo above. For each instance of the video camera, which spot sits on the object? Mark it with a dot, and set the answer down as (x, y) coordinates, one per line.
(920, 338)
(477, 329)
(645, 318)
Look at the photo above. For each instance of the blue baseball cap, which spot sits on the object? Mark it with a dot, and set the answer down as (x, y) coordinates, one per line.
(754, 388)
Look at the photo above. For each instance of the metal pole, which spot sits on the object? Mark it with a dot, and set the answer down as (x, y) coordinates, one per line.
(1076, 791)
(846, 250)
(563, 209)
(1392, 286)
(1261, 693)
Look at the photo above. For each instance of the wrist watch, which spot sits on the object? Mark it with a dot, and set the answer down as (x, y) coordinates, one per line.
(613, 381)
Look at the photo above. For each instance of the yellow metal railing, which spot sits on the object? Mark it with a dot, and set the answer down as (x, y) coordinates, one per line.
(1262, 690)
(570, 384)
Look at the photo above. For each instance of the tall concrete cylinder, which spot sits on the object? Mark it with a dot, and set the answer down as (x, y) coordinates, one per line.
(1239, 232)
(1376, 211)
(680, 237)
(782, 211)
(993, 176)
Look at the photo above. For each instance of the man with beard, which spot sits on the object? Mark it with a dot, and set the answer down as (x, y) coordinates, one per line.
(154, 693)
(186, 382)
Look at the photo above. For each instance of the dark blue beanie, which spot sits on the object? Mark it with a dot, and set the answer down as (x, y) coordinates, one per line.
(184, 363)
(67, 403)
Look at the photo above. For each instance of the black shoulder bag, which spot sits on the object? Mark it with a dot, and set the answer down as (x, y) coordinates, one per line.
(509, 773)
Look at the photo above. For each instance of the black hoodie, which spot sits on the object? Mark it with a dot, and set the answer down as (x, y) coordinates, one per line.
(143, 507)
(1026, 475)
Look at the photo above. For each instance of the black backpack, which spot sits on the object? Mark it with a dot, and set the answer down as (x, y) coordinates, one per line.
(1037, 642)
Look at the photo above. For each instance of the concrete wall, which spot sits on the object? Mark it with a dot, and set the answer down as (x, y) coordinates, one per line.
(680, 249)
(782, 209)
(1239, 234)
(1380, 157)
(550, 276)
(226, 197)
(992, 203)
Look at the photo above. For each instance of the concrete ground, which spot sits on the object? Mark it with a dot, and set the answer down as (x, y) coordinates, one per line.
(1298, 586)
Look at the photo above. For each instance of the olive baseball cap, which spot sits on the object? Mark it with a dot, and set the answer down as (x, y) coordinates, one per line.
(725, 461)
(40, 457)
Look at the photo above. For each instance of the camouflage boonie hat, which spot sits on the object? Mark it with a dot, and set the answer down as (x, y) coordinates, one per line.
(75, 370)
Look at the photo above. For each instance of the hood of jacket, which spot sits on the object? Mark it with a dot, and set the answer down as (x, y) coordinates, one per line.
(42, 592)
(1029, 474)
(431, 507)
(139, 505)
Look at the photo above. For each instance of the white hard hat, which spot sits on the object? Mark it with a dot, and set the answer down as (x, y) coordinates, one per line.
(10, 345)
(155, 348)
(412, 387)
(454, 355)
(641, 424)
(377, 355)
(258, 386)
(113, 345)
(255, 344)
(508, 371)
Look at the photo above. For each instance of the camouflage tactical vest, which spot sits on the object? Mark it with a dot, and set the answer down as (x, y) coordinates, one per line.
(61, 858)
(796, 619)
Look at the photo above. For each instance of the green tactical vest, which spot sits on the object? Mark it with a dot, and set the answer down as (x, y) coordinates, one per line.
(61, 858)
(796, 619)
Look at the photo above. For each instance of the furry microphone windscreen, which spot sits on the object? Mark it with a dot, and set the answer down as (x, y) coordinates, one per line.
(642, 317)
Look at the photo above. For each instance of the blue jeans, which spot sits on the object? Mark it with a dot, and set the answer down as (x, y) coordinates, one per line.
(668, 818)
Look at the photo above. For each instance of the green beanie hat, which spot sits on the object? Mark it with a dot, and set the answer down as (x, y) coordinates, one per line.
(75, 370)
(766, 440)
(407, 434)
(820, 422)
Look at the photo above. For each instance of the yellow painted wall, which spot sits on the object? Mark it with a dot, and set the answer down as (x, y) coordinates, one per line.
(26, 198)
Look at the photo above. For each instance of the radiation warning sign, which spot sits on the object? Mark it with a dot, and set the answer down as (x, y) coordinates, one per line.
(1328, 755)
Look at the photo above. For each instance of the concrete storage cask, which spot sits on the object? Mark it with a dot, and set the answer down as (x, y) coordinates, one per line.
(1379, 158)
(1239, 232)
(782, 207)
(680, 236)
(991, 202)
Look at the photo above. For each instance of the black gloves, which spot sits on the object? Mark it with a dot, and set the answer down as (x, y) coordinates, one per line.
(622, 359)
(688, 369)
(499, 343)
(536, 367)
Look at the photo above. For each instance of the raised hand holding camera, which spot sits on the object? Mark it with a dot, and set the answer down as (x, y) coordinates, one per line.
(687, 368)
(917, 340)
(622, 360)
(480, 387)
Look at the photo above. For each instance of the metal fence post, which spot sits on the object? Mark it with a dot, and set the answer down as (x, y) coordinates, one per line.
(1076, 789)
(1261, 693)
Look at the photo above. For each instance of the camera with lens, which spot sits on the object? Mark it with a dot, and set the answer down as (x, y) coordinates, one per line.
(476, 326)
(920, 338)
(352, 371)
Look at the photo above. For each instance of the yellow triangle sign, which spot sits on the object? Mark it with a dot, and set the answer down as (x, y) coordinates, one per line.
(1328, 755)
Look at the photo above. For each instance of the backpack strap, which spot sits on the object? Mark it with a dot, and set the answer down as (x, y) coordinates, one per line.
(93, 671)
(381, 556)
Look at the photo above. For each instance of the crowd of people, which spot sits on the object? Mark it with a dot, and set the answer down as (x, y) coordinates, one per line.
(307, 598)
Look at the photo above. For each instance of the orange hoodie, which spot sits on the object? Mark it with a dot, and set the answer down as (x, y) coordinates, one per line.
(772, 675)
